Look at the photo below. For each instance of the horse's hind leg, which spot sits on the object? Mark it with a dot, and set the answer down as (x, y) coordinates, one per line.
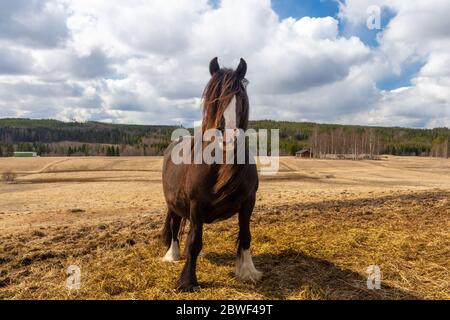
(170, 234)
(194, 243)
(245, 269)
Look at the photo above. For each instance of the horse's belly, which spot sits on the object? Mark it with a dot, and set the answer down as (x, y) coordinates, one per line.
(219, 211)
(219, 217)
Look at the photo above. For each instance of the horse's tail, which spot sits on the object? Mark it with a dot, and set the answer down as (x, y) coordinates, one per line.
(182, 226)
(166, 235)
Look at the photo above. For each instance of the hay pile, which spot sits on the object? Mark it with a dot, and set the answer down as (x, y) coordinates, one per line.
(315, 251)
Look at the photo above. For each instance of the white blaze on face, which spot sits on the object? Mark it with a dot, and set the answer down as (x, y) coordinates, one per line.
(229, 116)
(173, 254)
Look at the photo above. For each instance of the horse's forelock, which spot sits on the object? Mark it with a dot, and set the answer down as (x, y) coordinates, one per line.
(219, 92)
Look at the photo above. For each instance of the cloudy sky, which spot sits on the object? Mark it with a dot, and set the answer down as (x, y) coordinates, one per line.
(146, 61)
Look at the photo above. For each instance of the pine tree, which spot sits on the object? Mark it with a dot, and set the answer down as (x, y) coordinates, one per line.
(9, 150)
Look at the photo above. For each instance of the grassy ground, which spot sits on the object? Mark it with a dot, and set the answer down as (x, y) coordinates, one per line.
(317, 227)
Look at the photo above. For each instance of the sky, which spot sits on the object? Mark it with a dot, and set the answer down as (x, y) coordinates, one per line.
(146, 62)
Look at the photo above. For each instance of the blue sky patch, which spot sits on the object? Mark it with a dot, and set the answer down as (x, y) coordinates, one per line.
(367, 36)
(408, 72)
(214, 3)
(311, 8)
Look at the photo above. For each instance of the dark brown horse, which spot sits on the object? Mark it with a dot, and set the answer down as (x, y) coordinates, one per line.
(205, 193)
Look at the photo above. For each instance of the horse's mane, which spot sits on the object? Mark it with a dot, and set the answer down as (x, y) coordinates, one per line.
(219, 92)
(217, 95)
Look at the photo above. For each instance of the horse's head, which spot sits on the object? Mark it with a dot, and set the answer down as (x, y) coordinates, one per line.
(225, 100)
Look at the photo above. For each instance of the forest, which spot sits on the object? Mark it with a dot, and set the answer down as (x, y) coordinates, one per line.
(351, 141)
(57, 138)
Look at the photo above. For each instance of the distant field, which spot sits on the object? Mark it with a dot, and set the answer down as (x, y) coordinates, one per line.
(317, 226)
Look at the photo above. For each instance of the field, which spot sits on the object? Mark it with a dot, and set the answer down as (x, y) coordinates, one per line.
(317, 226)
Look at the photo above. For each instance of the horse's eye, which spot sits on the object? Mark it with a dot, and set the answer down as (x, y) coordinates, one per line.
(245, 83)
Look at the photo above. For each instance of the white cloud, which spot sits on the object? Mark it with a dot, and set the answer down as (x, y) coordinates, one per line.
(148, 62)
(13, 61)
(33, 22)
(300, 58)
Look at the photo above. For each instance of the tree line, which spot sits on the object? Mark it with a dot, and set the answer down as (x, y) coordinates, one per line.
(348, 141)
(56, 138)
(356, 143)
(72, 149)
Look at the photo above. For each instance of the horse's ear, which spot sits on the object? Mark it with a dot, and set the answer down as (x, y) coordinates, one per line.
(241, 69)
(214, 66)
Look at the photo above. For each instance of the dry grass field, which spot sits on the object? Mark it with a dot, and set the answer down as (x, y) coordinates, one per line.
(317, 226)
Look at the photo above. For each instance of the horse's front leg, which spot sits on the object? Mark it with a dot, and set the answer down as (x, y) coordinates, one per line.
(245, 269)
(188, 278)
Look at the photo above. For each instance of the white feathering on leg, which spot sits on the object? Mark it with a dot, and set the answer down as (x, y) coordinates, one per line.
(245, 269)
(173, 254)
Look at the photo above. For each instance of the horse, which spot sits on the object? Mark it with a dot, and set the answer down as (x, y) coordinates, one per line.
(204, 193)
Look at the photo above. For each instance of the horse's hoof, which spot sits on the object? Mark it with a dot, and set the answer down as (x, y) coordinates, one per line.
(170, 259)
(250, 276)
(187, 287)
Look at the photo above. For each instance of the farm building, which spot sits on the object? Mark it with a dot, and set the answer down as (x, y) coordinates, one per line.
(304, 153)
(22, 154)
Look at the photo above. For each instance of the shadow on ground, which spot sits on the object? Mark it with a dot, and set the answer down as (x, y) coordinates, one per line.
(292, 274)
